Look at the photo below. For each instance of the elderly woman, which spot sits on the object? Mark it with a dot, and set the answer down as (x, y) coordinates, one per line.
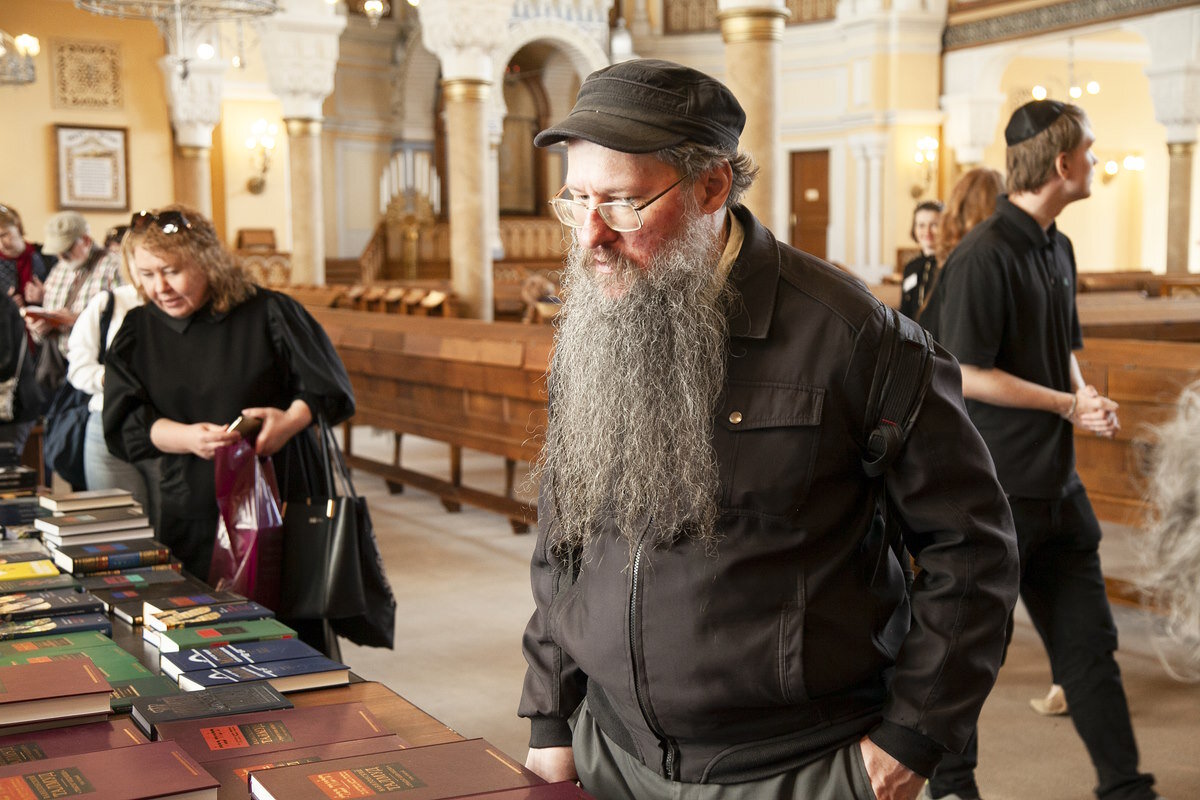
(209, 346)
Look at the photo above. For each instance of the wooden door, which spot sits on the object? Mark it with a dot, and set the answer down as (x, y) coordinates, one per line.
(809, 220)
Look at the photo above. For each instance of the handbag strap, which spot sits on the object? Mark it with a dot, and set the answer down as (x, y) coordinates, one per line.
(105, 321)
(331, 454)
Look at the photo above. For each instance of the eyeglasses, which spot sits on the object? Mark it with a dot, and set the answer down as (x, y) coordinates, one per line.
(167, 221)
(622, 216)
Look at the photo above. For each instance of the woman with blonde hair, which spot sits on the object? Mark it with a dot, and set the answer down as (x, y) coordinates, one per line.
(207, 347)
(972, 200)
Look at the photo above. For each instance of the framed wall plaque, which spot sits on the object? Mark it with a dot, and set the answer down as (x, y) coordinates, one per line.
(93, 168)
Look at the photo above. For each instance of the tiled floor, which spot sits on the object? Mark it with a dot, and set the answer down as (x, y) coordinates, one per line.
(462, 585)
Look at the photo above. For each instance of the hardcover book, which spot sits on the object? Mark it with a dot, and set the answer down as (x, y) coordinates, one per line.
(214, 636)
(271, 731)
(216, 614)
(433, 772)
(127, 601)
(139, 576)
(287, 676)
(60, 580)
(19, 556)
(185, 597)
(234, 655)
(21, 570)
(52, 642)
(100, 537)
(127, 690)
(87, 558)
(154, 770)
(67, 623)
(24, 605)
(17, 478)
(51, 690)
(234, 773)
(244, 698)
(67, 502)
(101, 519)
(38, 745)
(19, 510)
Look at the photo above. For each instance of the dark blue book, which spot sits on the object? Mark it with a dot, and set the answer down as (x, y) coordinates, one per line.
(49, 603)
(286, 676)
(234, 655)
(218, 701)
(87, 558)
(68, 623)
(215, 614)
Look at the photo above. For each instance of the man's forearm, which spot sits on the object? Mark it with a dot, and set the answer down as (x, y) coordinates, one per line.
(1000, 388)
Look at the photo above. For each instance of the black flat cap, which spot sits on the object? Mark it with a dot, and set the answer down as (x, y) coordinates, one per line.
(1031, 119)
(644, 105)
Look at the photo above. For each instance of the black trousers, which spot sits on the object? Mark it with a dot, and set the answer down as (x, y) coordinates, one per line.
(1062, 587)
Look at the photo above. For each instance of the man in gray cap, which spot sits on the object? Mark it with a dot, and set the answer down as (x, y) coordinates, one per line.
(1008, 313)
(84, 269)
(718, 612)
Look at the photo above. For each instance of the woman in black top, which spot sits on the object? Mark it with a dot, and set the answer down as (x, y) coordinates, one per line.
(16, 353)
(207, 347)
(919, 271)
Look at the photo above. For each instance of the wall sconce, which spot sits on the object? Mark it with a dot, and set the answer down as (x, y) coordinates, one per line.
(260, 143)
(1130, 163)
(925, 157)
(16, 58)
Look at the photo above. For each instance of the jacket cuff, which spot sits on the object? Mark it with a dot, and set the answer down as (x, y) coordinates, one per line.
(549, 732)
(919, 753)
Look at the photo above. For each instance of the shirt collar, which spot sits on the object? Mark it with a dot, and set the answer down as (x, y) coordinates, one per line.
(1026, 224)
(181, 324)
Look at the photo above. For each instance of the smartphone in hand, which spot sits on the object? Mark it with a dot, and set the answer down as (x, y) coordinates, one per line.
(248, 427)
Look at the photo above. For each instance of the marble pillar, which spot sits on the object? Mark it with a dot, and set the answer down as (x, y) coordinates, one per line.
(193, 178)
(1179, 205)
(308, 221)
(753, 35)
(467, 162)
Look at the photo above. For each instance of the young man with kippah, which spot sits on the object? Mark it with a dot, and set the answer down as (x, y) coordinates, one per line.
(1008, 313)
(718, 614)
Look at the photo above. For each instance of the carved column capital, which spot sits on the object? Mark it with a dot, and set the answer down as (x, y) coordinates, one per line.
(195, 101)
(300, 51)
(465, 35)
(1174, 70)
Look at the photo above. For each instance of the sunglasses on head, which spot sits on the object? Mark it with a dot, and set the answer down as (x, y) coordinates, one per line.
(166, 221)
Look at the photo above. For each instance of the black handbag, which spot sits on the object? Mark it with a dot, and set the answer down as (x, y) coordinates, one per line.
(332, 568)
(51, 371)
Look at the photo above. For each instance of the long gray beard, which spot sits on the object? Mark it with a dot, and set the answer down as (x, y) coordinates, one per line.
(633, 383)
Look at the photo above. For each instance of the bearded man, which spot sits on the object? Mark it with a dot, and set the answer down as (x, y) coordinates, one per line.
(717, 614)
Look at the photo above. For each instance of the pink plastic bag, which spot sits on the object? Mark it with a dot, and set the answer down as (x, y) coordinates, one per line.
(249, 548)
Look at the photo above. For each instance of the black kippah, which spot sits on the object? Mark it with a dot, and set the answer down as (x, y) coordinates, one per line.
(1031, 119)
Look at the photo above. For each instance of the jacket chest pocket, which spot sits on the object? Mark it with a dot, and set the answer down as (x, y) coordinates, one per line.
(766, 437)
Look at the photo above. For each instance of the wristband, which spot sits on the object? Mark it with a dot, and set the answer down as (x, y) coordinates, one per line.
(1071, 411)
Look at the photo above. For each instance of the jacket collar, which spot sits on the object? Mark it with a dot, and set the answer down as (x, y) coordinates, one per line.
(203, 314)
(755, 277)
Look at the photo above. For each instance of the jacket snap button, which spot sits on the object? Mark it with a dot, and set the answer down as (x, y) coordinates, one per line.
(735, 417)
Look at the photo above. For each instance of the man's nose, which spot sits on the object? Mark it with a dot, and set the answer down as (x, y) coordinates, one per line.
(595, 231)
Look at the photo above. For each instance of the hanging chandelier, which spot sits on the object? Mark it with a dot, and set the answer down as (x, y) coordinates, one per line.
(16, 58)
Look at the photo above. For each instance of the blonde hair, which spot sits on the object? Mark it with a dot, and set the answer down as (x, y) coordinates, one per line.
(197, 247)
(1030, 163)
(972, 200)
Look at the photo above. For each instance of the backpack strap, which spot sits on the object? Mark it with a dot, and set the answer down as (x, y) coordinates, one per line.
(903, 371)
(105, 320)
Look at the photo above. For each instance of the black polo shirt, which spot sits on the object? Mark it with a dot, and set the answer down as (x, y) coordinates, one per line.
(1008, 302)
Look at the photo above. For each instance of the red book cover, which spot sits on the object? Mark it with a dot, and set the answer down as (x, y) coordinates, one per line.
(49, 690)
(39, 745)
(216, 738)
(234, 773)
(434, 772)
(144, 771)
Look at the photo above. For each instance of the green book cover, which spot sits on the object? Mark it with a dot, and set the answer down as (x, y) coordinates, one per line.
(126, 691)
(216, 635)
(58, 641)
(112, 660)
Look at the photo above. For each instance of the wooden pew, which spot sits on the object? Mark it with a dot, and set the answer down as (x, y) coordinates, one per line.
(468, 383)
(1129, 315)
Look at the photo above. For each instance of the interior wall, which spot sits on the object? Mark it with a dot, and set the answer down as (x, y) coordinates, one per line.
(28, 167)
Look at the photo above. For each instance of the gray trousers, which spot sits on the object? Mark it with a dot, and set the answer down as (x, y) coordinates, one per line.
(610, 773)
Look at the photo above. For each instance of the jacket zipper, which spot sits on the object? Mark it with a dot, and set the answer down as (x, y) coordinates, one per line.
(666, 744)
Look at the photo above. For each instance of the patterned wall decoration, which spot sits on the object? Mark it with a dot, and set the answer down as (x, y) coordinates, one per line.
(1007, 24)
(699, 16)
(86, 74)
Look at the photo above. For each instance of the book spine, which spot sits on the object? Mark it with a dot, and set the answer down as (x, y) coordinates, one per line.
(114, 561)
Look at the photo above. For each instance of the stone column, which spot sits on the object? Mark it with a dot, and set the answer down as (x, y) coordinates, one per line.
(195, 104)
(1179, 205)
(300, 51)
(1174, 73)
(972, 100)
(466, 35)
(753, 32)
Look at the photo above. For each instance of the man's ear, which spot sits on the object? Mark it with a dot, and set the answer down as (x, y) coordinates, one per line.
(713, 187)
(1062, 164)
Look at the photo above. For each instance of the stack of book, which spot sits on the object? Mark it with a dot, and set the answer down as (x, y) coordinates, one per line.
(18, 495)
(153, 770)
(48, 694)
(287, 664)
(209, 609)
(36, 599)
(128, 677)
(124, 592)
